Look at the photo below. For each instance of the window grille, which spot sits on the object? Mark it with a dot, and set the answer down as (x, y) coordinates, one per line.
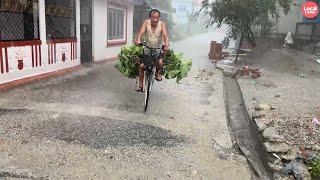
(60, 19)
(115, 23)
(19, 20)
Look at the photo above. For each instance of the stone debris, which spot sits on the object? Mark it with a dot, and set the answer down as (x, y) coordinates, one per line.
(276, 147)
(271, 134)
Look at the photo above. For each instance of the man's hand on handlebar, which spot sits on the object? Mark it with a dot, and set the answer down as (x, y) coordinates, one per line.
(165, 49)
(138, 43)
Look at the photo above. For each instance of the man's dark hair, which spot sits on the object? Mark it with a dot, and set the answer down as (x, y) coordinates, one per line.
(153, 11)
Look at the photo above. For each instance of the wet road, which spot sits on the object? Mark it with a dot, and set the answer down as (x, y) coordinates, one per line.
(90, 125)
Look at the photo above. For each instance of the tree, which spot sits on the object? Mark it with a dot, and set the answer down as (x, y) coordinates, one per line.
(242, 15)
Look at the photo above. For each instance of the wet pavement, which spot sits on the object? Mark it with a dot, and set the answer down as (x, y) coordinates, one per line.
(90, 125)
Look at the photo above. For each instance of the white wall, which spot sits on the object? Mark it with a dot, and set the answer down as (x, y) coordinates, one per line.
(100, 49)
(181, 17)
(287, 23)
(15, 53)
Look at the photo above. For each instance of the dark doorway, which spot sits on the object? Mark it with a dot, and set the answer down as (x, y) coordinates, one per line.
(86, 30)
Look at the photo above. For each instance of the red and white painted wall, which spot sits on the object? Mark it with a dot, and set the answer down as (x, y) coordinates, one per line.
(25, 59)
(21, 60)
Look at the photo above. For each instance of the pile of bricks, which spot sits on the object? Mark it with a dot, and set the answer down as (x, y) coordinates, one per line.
(216, 51)
(255, 72)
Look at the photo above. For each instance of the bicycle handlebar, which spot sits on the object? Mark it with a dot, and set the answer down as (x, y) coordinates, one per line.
(145, 45)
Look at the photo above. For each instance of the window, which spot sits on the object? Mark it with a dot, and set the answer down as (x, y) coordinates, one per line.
(182, 8)
(60, 19)
(19, 20)
(116, 24)
(174, 10)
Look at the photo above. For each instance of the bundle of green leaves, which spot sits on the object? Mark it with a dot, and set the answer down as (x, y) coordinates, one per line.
(129, 58)
(175, 65)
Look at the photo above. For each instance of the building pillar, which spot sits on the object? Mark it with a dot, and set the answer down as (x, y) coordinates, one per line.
(42, 21)
(43, 30)
(78, 28)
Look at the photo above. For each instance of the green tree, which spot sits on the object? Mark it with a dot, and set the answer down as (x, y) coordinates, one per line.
(242, 15)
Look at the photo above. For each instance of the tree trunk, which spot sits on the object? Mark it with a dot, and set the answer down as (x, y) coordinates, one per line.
(238, 50)
(252, 38)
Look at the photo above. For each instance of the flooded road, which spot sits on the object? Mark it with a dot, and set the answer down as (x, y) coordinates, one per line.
(90, 125)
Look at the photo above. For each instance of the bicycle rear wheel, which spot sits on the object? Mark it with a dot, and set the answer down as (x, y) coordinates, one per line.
(147, 92)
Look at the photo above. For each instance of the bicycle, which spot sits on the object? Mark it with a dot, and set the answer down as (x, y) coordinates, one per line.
(149, 60)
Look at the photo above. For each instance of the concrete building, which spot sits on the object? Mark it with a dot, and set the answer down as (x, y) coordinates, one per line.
(287, 22)
(42, 37)
(112, 27)
(294, 21)
(182, 9)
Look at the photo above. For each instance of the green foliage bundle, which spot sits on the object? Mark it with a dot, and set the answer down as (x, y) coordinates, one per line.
(175, 65)
(129, 58)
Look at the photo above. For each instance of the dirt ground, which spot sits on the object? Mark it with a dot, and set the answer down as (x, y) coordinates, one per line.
(289, 83)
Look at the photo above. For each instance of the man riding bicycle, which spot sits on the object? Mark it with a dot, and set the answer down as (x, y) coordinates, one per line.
(155, 34)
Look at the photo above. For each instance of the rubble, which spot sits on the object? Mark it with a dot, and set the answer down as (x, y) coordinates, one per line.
(276, 147)
(291, 155)
(265, 121)
(262, 125)
(291, 121)
(261, 107)
(254, 72)
(299, 170)
(276, 167)
(316, 147)
(258, 114)
(271, 134)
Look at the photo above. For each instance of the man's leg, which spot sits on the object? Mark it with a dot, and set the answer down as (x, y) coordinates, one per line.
(141, 76)
(158, 69)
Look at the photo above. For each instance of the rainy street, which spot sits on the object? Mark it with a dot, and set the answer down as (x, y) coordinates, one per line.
(238, 98)
(90, 124)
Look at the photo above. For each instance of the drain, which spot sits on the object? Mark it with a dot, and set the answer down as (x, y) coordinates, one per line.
(243, 130)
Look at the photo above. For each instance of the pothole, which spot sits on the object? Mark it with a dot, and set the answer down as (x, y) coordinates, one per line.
(99, 132)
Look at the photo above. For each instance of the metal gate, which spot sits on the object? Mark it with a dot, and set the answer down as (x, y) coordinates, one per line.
(140, 14)
(308, 31)
(86, 30)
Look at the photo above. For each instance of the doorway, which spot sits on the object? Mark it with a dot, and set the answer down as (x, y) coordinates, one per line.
(86, 30)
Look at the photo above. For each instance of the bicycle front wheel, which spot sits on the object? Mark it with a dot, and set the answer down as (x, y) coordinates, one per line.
(147, 93)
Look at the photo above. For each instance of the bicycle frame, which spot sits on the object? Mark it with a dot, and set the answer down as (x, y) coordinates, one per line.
(149, 62)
